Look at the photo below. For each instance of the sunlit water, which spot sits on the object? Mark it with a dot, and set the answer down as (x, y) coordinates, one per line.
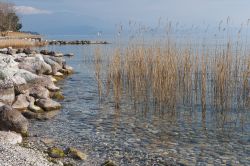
(131, 137)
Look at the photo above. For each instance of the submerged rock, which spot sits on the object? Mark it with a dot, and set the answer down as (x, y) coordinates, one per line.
(56, 152)
(40, 115)
(69, 54)
(48, 104)
(47, 141)
(76, 154)
(13, 120)
(108, 163)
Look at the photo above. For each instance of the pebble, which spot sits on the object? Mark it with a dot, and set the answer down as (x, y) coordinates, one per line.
(17, 155)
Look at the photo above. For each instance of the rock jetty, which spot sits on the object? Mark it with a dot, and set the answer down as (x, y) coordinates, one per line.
(27, 83)
(75, 42)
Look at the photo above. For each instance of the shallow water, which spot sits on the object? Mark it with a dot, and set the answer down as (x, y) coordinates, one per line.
(131, 137)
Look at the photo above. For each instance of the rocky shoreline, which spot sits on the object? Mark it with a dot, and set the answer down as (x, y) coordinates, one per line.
(27, 91)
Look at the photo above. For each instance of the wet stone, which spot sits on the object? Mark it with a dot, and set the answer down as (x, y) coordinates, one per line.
(108, 163)
(75, 153)
(48, 104)
(56, 152)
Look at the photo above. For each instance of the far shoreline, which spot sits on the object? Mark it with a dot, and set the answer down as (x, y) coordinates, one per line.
(26, 39)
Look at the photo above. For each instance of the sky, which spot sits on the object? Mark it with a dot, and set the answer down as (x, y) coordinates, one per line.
(91, 16)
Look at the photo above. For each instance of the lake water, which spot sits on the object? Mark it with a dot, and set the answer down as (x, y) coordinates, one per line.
(131, 137)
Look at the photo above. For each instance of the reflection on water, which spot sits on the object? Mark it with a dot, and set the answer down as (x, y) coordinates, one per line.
(128, 136)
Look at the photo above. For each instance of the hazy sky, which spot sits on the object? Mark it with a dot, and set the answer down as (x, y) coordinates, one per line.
(81, 16)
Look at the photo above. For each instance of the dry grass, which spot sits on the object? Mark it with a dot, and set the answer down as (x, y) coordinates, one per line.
(19, 40)
(19, 35)
(19, 43)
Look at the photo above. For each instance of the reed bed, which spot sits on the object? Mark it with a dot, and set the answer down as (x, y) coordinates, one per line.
(167, 76)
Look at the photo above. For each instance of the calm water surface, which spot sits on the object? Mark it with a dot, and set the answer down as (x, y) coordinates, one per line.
(131, 137)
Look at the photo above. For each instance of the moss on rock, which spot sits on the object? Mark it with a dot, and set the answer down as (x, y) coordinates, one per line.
(76, 154)
(56, 152)
(57, 95)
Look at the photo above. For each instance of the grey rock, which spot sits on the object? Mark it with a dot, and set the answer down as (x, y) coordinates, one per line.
(20, 50)
(1, 104)
(18, 80)
(40, 115)
(21, 102)
(46, 82)
(35, 65)
(58, 75)
(11, 51)
(4, 50)
(66, 70)
(32, 107)
(44, 52)
(54, 65)
(7, 61)
(48, 104)
(28, 51)
(7, 73)
(13, 120)
(28, 76)
(7, 92)
(58, 60)
(39, 92)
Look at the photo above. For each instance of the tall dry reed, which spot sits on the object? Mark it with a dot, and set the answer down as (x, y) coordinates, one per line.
(167, 76)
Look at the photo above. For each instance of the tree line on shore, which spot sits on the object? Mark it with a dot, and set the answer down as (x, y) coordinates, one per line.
(9, 20)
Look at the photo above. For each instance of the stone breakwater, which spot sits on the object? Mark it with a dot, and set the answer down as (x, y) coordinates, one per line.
(75, 42)
(27, 90)
(27, 84)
